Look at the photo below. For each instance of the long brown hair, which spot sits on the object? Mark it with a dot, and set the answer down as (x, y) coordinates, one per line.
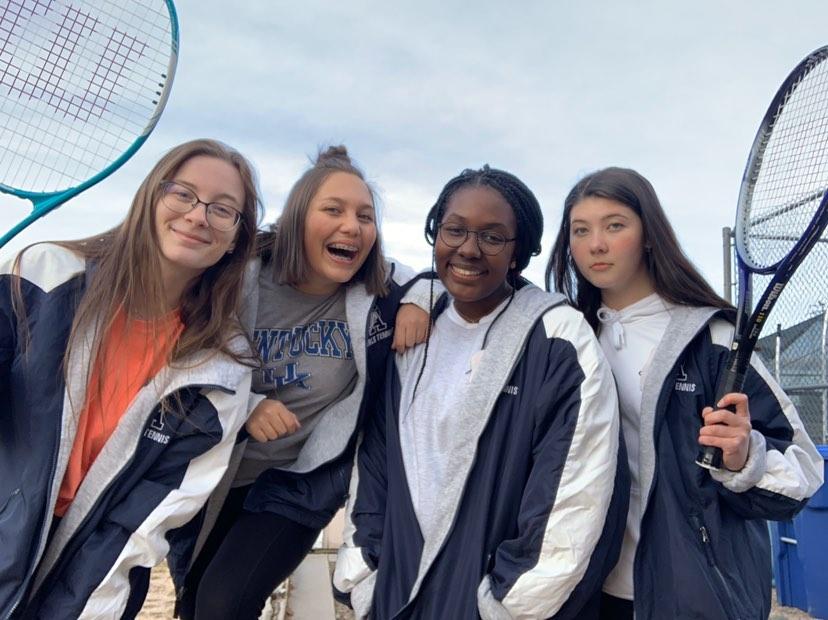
(285, 245)
(674, 277)
(127, 267)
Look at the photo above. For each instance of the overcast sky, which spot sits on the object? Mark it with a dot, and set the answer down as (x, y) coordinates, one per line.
(418, 91)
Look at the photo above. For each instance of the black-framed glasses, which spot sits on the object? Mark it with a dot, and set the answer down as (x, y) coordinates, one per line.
(182, 199)
(490, 242)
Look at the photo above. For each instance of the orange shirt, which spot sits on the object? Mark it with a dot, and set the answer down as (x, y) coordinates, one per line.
(130, 356)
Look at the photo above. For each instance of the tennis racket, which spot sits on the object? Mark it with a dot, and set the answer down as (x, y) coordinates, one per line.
(782, 210)
(82, 85)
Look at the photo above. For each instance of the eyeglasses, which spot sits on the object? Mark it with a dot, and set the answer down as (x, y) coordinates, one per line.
(182, 199)
(489, 241)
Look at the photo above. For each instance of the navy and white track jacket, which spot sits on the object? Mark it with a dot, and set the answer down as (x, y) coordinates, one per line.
(704, 549)
(536, 522)
(315, 486)
(153, 474)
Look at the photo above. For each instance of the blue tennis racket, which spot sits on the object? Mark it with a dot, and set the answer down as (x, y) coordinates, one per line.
(782, 210)
(82, 85)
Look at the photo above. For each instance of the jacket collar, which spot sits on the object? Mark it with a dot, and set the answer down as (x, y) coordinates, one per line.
(203, 369)
(504, 349)
(686, 322)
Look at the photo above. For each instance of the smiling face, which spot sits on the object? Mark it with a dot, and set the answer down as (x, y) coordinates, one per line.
(606, 239)
(340, 230)
(477, 282)
(188, 244)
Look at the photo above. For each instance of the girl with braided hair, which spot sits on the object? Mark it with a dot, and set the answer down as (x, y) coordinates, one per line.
(493, 481)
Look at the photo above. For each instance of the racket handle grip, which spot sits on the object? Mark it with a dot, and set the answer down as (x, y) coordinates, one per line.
(731, 381)
(709, 457)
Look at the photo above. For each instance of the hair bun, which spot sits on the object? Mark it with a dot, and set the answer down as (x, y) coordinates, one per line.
(336, 154)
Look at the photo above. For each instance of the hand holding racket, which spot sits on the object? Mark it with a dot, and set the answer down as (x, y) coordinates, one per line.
(82, 85)
(782, 210)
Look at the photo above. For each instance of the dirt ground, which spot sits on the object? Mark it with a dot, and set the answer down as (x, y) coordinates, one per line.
(161, 600)
(786, 613)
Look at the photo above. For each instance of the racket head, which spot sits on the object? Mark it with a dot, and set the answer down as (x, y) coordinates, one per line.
(786, 177)
(82, 85)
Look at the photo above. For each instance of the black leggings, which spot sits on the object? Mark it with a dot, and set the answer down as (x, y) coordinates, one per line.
(614, 608)
(246, 555)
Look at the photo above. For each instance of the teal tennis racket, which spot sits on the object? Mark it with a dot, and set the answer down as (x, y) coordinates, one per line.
(82, 85)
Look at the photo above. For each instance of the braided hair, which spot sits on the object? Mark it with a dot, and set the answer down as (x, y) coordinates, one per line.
(523, 202)
(528, 217)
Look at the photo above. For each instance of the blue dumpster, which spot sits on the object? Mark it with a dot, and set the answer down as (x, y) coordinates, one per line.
(787, 566)
(811, 527)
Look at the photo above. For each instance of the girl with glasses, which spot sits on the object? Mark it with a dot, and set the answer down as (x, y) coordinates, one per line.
(322, 312)
(182, 199)
(696, 542)
(493, 484)
(124, 380)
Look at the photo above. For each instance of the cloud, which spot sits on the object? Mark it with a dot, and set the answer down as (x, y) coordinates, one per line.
(419, 91)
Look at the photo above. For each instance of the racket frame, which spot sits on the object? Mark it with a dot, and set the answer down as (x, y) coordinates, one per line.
(747, 330)
(45, 202)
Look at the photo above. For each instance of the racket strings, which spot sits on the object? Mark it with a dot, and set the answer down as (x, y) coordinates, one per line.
(79, 83)
(787, 182)
(139, 73)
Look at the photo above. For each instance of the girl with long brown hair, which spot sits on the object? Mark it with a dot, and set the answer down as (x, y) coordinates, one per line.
(696, 543)
(124, 379)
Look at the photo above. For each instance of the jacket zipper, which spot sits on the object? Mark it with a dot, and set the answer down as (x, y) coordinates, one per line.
(657, 423)
(701, 528)
(35, 564)
(698, 524)
(465, 483)
(704, 536)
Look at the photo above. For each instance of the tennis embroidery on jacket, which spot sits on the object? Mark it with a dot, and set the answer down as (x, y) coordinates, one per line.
(155, 431)
(377, 328)
(683, 384)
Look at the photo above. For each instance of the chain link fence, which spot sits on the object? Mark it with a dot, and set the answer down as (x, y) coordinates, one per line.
(794, 342)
